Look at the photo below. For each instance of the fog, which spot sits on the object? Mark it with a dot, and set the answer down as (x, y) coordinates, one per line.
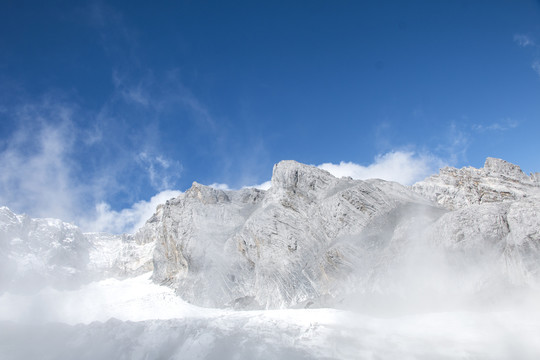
(291, 334)
(407, 290)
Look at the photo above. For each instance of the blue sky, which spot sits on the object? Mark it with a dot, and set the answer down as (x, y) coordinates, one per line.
(104, 105)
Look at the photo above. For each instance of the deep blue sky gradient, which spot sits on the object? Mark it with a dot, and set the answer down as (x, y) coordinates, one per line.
(223, 90)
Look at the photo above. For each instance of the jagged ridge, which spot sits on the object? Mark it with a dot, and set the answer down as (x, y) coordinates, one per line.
(310, 239)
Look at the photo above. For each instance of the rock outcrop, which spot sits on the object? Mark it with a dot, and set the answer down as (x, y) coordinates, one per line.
(312, 237)
(498, 181)
(310, 240)
(291, 244)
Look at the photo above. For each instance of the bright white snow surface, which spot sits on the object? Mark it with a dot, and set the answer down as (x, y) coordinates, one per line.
(473, 293)
(134, 299)
(137, 319)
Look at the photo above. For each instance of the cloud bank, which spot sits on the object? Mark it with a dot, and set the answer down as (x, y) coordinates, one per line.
(400, 166)
(404, 167)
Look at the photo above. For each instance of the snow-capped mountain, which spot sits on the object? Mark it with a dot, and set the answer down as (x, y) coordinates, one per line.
(497, 181)
(35, 253)
(405, 269)
(294, 243)
(313, 238)
(310, 240)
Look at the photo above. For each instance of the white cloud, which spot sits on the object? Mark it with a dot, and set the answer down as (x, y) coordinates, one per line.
(454, 144)
(132, 93)
(523, 40)
(34, 164)
(136, 95)
(526, 41)
(42, 171)
(405, 167)
(220, 186)
(507, 124)
(402, 167)
(162, 172)
(264, 186)
(536, 67)
(127, 220)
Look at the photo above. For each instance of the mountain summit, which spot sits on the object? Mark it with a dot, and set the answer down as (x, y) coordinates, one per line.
(311, 239)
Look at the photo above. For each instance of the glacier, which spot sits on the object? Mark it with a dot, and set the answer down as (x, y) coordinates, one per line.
(314, 267)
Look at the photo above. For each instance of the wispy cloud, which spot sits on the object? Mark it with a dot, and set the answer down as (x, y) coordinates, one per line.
(163, 173)
(52, 166)
(117, 39)
(83, 164)
(536, 67)
(453, 145)
(133, 94)
(524, 40)
(35, 171)
(507, 124)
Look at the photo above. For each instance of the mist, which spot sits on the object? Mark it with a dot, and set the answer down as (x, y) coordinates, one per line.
(314, 267)
(406, 289)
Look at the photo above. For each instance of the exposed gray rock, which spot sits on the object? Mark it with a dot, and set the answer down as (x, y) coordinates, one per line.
(312, 237)
(310, 240)
(498, 181)
(272, 248)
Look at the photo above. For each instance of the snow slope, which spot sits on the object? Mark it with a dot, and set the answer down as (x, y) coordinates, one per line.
(35, 253)
(445, 269)
(136, 319)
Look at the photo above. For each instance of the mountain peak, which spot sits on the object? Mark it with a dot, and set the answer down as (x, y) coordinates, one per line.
(494, 166)
(497, 181)
(206, 194)
(292, 175)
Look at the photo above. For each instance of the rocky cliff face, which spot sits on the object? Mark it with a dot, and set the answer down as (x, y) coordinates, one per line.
(494, 222)
(311, 239)
(497, 181)
(292, 244)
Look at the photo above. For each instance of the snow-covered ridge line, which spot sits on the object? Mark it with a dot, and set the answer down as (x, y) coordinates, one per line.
(497, 181)
(311, 239)
(316, 239)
